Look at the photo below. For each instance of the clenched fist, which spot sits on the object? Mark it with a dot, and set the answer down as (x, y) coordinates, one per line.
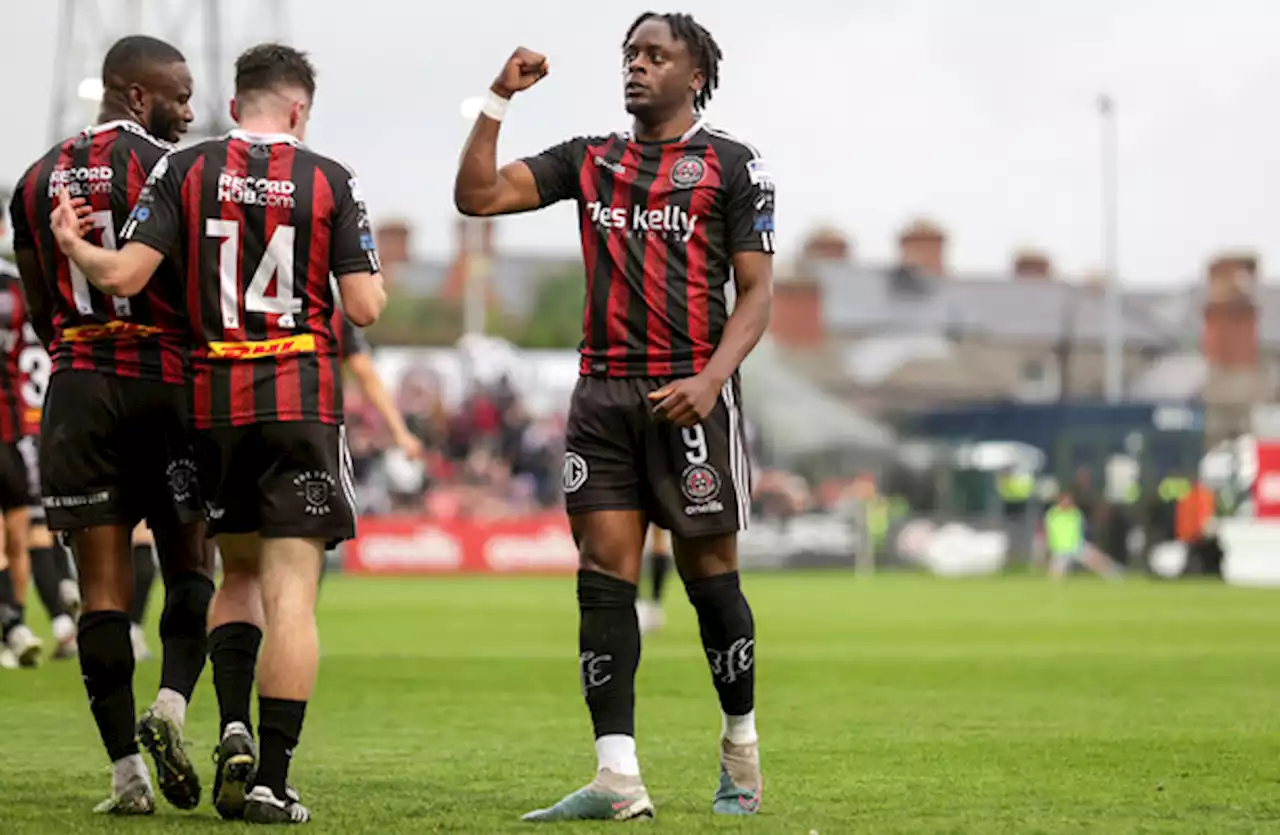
(523, 69)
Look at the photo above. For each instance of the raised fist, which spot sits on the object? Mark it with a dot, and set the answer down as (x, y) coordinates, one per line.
(523, 69)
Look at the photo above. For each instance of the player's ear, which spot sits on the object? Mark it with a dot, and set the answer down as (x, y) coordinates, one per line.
(696, 81)
(235, 111)
(139, 99)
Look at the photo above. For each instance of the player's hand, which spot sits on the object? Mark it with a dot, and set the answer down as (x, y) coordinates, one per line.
(409, 445)
(688, 401)
(523, 69)
(68, 220)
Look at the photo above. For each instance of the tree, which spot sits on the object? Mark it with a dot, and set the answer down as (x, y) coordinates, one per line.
(556, 317)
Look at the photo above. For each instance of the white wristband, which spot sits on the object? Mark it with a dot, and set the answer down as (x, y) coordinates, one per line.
(495, 106)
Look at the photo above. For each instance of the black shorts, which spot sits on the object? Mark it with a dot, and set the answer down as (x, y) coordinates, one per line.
(693, 481)
(15, 482)
(115, 451)
(282, 480)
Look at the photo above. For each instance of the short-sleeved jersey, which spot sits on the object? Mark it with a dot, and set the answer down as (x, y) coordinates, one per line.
(260, 222)
(660, 224)
(24, 363)
(143, 336)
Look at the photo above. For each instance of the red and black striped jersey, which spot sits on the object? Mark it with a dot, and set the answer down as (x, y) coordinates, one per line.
(143, 336)
(24, 363)
(260, 222)
(660, 224)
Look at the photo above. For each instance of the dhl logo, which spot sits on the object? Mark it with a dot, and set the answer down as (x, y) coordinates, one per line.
(284, 346)
(114, 329)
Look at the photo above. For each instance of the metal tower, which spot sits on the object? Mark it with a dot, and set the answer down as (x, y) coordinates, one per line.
(209, 32)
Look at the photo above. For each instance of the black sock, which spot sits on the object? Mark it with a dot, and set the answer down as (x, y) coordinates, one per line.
(11, 614)
(279, 727)
(660, 566)
(609, 651)
(233, 652)
(144, 577)
(729, 638)
(47, 573)
(106, 663)
(182, 631)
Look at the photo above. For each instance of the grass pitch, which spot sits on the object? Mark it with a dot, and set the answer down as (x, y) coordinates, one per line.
(896, 704)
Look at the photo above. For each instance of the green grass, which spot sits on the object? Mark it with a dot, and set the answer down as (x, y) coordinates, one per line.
(886, 705)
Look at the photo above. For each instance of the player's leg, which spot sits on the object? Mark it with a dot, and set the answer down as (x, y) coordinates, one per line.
(659, 559)
(602, 495)
(702, 482)
(59, 593)
(50, 562)
(84, 466)
(16, 581)
(1097, 561)
(144, 578)
(308, 502)
(236, 622)
(107, 663)
(9, 615)
(164, 483)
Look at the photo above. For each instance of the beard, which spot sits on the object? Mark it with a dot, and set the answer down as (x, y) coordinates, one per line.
(162, 124)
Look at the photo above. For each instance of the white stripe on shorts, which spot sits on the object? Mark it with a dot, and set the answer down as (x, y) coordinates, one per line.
(346, 470)
(739, 472)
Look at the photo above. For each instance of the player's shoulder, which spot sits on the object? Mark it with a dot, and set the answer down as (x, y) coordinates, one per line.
(340, 175)
(729, 145)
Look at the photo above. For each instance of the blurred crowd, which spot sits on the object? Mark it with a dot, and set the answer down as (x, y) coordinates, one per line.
(487, 457)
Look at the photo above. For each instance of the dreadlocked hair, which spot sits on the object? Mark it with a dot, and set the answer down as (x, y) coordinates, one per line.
(706, 52)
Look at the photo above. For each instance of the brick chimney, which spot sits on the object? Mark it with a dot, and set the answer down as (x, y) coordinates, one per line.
(1230, 337)
(921, 245)
(393, 238)
(826, 243)
(797, 311)
(473, 237)
(1032, 264)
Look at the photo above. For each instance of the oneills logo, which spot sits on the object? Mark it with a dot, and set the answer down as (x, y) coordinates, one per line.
(114, 329)
(284, 346)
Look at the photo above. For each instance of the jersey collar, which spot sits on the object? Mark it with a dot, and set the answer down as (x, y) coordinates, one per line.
(263, 138)
(124, 124)
(689, 134)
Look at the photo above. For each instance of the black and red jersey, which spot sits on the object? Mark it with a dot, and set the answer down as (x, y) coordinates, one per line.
(259, 223)
(24, 363)
(143, 336)
(660, 224)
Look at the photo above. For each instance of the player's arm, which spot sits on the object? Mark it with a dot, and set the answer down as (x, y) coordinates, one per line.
(748, 211)
(152, 230)
(361, 366)
(481, 188)
(37, 292)
(353, 256)
(749, 225)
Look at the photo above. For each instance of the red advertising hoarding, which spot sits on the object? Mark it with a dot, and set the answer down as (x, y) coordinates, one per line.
(422, 545)
(1266, 487)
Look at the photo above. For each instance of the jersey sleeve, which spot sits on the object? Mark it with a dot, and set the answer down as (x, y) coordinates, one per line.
(23, 236)
(749, 194)
(156, 219)
(557, 171)
(351, 246)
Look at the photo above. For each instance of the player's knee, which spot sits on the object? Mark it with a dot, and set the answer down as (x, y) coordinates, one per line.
(186, 606)
(597, 590)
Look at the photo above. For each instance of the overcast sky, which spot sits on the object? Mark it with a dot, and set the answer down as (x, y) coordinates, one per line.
(979, 114)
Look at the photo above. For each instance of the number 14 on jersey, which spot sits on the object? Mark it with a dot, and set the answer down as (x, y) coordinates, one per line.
(277, 263)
